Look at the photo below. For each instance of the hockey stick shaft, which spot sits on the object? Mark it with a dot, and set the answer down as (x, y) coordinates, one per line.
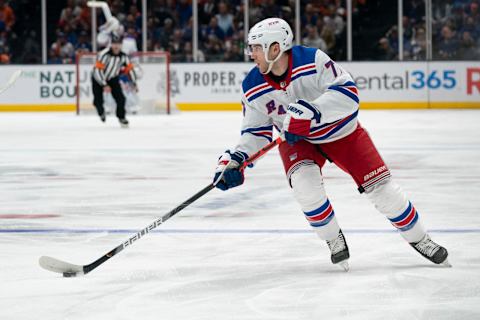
(70, 270)
(254, 157)
(105, 8)
(173, 212)
(143, 232)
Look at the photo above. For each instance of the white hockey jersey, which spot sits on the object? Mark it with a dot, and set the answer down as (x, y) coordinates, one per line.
(313, 77)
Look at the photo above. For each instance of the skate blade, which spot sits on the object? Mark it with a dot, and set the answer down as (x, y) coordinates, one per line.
(344, 265)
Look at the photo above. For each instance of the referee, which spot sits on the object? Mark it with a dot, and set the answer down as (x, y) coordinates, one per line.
(105, 78)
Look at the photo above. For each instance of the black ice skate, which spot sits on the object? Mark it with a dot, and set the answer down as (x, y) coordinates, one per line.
(339, 249)
(123, 122)
(102, 117)
(432, 251)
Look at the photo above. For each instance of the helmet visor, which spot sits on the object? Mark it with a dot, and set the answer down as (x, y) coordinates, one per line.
(251, 48)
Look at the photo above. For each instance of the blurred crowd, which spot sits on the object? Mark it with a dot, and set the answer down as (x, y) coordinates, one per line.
(221, 26)
(456, 28)
(455, 32)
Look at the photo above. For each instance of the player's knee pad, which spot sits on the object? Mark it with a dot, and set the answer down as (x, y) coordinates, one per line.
(307, 184)
(388, 198)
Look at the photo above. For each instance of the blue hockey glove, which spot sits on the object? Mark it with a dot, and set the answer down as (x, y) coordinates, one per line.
(298, 120)
(292, 138)
(228, 168)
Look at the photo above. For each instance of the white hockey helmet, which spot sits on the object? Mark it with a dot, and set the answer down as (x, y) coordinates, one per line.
(266, 33)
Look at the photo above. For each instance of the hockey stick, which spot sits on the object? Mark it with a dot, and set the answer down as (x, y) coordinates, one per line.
(105, 8)
(73, 270)
(11, 81)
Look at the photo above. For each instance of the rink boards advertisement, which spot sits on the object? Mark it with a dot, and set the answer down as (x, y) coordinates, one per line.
(217, 86)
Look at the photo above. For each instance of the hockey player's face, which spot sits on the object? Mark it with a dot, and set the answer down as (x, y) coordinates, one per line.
(258, 56)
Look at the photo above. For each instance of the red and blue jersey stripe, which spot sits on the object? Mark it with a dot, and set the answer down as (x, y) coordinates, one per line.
(304, 70)
(258, 91)
(348, 88)
(328, 129)
(407, 219)
(263, 132)
(320, 216)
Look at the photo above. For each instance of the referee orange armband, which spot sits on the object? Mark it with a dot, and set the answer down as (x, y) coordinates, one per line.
(99, 65)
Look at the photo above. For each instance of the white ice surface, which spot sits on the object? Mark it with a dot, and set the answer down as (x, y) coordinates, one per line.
(244, 254)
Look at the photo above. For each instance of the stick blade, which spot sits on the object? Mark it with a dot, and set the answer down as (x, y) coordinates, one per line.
(13, 78)
(58, 266)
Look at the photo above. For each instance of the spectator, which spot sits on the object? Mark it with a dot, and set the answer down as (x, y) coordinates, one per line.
(213, 47)
(206, 10)
(384, 50)
(471, 27)
(474, 11)
(468, 48)
(447, 46)
(329, 37)
(84, 43)
(214, 29)
(309, 16)
(225, 19)
(419, 45)
(4, 52)
(232, 53)
(162, 12)
(31, 52)
(83, 13)
(54, 57)
(7, 17)
(62, 49)
(184, 10)
(166, 33)
(135, 18)
(176, 47)
(67, 15)
(313, 40)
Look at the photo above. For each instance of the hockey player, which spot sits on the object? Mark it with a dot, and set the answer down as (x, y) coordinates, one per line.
(105, 78)
(314, 102)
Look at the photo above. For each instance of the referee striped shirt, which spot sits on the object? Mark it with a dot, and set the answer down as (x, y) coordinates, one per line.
(110, 65)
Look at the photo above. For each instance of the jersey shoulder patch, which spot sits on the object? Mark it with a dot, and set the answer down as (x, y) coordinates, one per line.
(254, 85)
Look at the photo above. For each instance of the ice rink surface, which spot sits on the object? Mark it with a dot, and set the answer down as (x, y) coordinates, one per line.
(74, 188)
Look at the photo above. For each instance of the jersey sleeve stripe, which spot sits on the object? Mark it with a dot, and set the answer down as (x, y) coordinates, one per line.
(260, 93)
(263, 132)
(322, 133)
(256, 88)
(305, 73)
(349, 89)
(303, 68)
